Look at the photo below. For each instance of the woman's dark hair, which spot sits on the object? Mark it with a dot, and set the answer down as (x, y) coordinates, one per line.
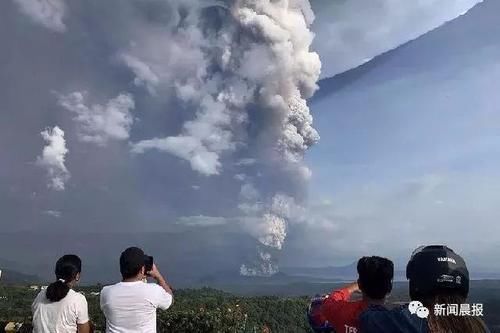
(67, 268)
(375, 276)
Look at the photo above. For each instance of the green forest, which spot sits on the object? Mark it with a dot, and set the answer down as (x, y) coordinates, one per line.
(200, 310)
(208, 310)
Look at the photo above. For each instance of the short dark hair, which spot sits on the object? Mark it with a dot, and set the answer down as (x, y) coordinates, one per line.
(375, 276)
(131, 262)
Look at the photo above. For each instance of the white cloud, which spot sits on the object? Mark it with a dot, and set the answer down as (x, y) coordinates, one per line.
(53, 213)
(53, 158)
(348, 33)
(246, 162)
(201, 221)
(101, 123)
(48, 13)
(248, 192)
(144, 75)
(185, 147)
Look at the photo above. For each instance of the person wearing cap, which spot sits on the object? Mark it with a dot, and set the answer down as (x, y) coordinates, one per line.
(130, 305)
(339, 312)
(437, 276)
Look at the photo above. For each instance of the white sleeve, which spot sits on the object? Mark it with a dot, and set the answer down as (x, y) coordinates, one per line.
(160, 298)
(82, 311)
(35, 302)
(102, 299)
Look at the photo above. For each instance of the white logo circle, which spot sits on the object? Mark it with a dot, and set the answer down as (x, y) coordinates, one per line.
(422, 312)
(413, 306)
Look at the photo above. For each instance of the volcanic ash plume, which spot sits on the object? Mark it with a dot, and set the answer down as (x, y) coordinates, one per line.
(247, 68)
(269, 226)
(257, 59)
(263, 265)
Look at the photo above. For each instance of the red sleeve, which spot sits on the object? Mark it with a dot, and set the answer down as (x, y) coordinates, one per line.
(334, 307)
(340, 295)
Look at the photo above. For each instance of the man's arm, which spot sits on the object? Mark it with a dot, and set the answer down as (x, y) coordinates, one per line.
(155, 274)
(84, 328)
(82, 319)
(344, 293)
(334, 306)
(101, 300)
(162, 293)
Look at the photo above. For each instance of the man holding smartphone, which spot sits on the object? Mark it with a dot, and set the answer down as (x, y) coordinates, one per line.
(130, 305)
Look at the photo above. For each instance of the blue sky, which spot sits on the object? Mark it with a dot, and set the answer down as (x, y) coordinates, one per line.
(410, 146)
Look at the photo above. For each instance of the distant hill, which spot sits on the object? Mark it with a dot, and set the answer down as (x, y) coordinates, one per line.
(222, 279)
(13, 273)
(331, 273)
(184, 257)
(13, 277)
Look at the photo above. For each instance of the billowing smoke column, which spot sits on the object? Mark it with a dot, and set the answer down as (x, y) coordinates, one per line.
(241, 69)
(270, 230)
(279, 37)
(253, 75)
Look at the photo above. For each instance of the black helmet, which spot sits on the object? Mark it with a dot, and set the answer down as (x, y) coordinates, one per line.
(435, 269)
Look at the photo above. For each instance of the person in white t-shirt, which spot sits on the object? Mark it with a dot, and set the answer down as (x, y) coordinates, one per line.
(59, 309)
(130, 306)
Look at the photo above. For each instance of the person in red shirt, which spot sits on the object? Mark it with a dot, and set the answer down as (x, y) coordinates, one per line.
(375, 276)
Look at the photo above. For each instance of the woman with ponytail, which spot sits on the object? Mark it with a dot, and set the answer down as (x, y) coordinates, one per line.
(59, 308)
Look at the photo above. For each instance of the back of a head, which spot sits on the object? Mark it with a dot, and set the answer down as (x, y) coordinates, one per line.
(375, 276)
(438, 275)
(131, 262)
(437, 270)
(67, 269)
